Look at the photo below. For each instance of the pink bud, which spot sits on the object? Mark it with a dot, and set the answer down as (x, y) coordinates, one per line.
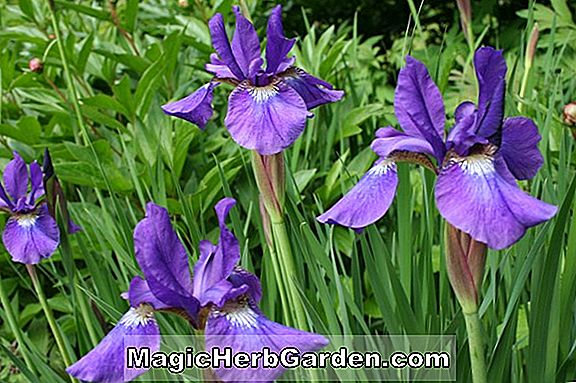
(570, 113)
(270, 177)
(35, 65)
(532, 42)
(465, 260)
(183, 3)
(465, 9)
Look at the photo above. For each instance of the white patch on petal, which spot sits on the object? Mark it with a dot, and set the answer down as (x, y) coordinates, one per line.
(138, 316)
(27, 220)
(382, 168)
(477, 165)
(261, 94)
(239, 314)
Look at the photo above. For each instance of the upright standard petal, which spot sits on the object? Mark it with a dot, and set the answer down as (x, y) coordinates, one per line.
(5, 201)
(267, 119)
(277, 45)
(216, 263)
(241, 277)
(245, 43)
(16, 177)
(196, 108)
(32, 236)
(218, 67)
(37, 187)
(519, 147)
(164, 260)
(366, 202)
(491, 72)
(314, 92)
(106, 363)
(241, 326)
(222, 45)
(389, 140)
(462, 136)
(463, 110)
(473, 196)
(419, 106)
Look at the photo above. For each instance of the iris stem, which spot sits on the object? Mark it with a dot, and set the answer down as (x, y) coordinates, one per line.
(270, 177)
(50, 317)
(11, 319)
(476, 347)
(274, 258)
(284, 250)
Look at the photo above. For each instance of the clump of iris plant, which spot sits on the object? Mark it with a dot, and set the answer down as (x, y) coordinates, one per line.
(477, 164)
(267, 112)
(221, 300)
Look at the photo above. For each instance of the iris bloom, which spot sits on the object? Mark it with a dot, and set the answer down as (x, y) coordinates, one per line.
(268, 108)
(31, 234)
(478, 162)
(222, 300)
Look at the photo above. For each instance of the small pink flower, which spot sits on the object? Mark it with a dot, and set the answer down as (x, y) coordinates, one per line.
(570, 113)
(36, 65)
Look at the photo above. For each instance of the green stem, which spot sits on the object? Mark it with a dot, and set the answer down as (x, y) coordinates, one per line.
(524, 85)
(67, 75)
(280, 281)
(476, 347)
(11, 319)
(50, 317)
(283, 249)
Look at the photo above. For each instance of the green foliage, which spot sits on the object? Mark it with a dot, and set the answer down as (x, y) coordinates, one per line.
(128, 57)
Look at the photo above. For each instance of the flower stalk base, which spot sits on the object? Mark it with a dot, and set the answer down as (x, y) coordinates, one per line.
(270, 178)
(50, 317)
(476, 347)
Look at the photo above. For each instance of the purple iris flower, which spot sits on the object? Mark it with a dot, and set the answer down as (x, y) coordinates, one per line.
(222, 300)
(31, 233)
(478, 162)
(268, 108)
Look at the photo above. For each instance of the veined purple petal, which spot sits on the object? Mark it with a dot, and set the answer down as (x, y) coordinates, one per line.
(242, 327)
(245, 43)
(277, 45)
(139, 293)
(16, 177)
(473, 196)
(106, 363)
(31, 237)
(313, 91)
(164, 260)
(222, 45)
(267, 119)
(519, 147)
(491, 72)
(196, 108)
(216, 262)
(389, 140)
(419, 106)
(366, 202)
